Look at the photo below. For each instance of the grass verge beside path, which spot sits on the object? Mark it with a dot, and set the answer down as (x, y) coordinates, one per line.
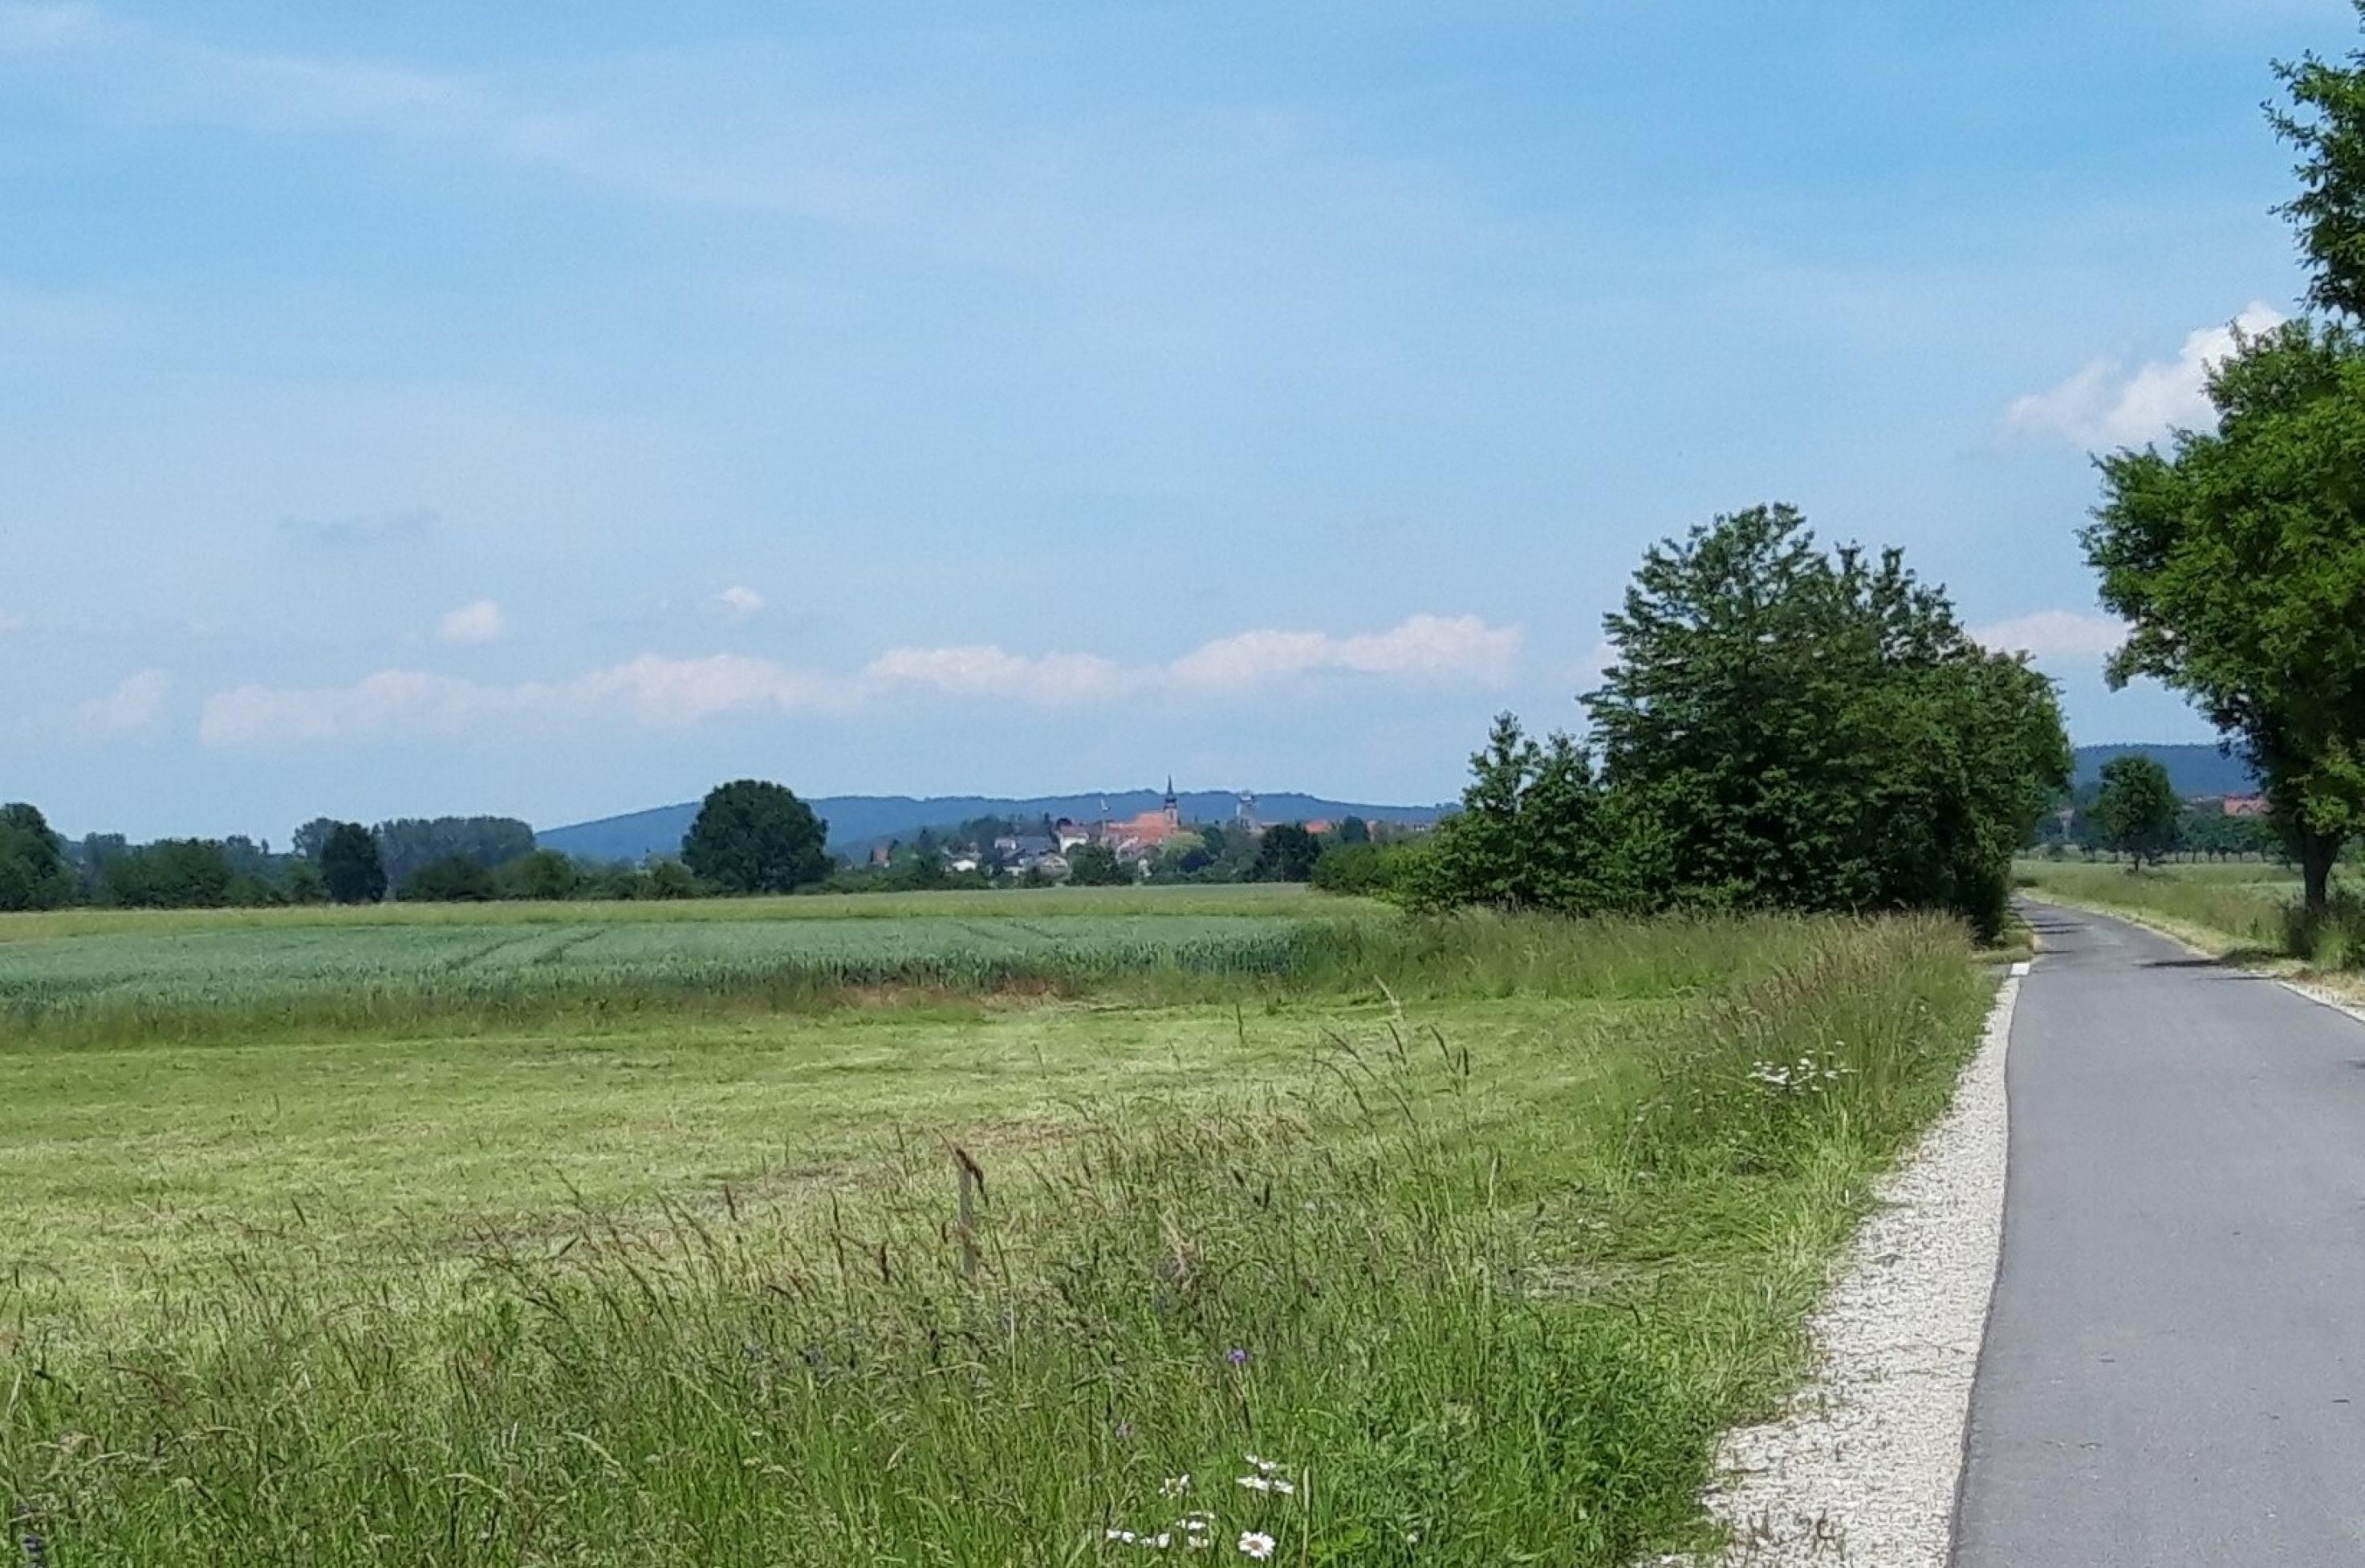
(1467, 1296)
(2246, 915)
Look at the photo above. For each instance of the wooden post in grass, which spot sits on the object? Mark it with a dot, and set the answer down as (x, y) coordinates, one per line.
(972, 1189)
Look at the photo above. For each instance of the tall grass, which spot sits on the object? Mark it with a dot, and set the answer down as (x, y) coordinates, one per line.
(1452, 1322)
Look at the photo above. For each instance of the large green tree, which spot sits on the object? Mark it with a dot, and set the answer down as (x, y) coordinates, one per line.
(33, 869)
(171, 873)
(1813, 730)
(351, 868)
(2326, 124)
(752, 836)
(2238, 555)
(2136, 808)
(1286, 852)
(2239, 558)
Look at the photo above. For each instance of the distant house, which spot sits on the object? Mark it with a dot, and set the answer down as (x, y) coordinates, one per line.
(1070, 834)
(2244, 805)
(1053, 866)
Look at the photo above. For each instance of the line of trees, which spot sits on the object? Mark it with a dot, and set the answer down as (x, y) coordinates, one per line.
(328, 861)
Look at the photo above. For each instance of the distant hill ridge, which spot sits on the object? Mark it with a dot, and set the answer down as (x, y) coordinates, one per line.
(2193, 770)
(856, 821)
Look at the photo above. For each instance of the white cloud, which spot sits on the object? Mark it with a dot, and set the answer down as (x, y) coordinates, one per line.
(1050, 680)
(656, 692)
(653, 691)
(2104, 404)
(2056, 633)
(480, 622)
(1424, 648)
(739, 601)
(134, 704)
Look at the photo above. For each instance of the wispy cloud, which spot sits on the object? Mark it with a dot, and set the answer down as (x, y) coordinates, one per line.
(160, 76)
(739, 601)
(134, 704)
(472, 625)
(2056, 633)
(374, 527)
(2106, 405)
(659, 692)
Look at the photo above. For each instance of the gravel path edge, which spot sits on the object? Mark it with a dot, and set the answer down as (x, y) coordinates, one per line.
(1865, 1462)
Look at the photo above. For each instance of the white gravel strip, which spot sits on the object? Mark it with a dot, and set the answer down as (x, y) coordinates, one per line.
(1863, 1466)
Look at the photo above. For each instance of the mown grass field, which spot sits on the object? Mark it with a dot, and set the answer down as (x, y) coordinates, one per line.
(1475, 1231)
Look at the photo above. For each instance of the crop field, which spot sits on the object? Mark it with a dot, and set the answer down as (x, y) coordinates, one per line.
(1474, 1232)
(194, 976)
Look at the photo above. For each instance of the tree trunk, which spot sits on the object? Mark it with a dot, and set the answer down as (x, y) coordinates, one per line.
(2317, 851)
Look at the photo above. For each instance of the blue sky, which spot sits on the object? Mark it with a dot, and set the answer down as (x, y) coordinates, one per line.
(554, 410)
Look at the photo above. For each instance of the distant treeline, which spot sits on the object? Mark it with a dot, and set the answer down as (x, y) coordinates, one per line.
(2201, 830)
(326, 861)
(483, 859)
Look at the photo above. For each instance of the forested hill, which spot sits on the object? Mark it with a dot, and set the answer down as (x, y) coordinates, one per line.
(2191, 769)
(859, 820)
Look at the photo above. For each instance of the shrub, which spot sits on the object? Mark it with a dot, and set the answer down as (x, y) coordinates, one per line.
(455, 879)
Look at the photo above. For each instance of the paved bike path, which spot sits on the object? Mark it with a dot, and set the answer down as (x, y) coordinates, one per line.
(2174, 1371)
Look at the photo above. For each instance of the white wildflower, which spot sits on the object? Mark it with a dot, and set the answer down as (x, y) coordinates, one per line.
(1174, 1486)
(1256, 1544)
(1125, 1536)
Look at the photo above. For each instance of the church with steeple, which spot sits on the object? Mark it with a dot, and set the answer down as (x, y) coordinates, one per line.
(1149, 832)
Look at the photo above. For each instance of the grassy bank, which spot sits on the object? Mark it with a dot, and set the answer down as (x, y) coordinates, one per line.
(1477, 1281)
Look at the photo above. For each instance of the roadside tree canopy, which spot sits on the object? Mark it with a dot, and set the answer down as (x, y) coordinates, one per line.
(2238, 556)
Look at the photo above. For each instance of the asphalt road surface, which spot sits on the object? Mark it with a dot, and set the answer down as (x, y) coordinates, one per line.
(2174, 1371)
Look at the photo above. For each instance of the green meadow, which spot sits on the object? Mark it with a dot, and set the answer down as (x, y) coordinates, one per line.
(620, 1236)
